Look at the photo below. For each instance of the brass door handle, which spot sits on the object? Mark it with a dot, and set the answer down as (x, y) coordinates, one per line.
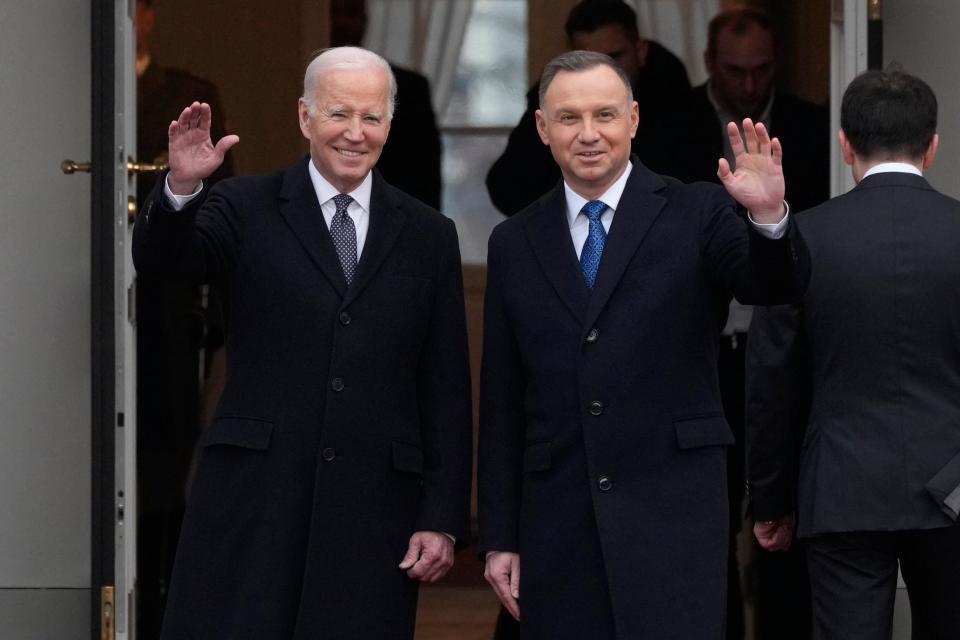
(69, 166)
(134, 167)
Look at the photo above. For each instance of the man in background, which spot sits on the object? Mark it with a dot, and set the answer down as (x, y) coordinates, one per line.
(869, 359)
(660, 86)
(741, 61)
(179, 339)
(411, 159)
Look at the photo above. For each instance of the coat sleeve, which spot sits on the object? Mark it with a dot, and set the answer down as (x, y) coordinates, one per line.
(199, 243)
(502, 417)
(745, 264)
(444, 399)
(777, 407)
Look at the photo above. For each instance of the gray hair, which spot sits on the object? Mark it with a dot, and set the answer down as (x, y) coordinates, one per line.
(580, 61)
(345, 58)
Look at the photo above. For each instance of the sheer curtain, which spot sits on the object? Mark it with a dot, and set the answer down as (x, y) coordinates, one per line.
(423, 35)
(681, 26)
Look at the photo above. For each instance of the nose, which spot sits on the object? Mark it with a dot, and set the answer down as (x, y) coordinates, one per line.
(588, 132)
(750, 83)
(354, 131)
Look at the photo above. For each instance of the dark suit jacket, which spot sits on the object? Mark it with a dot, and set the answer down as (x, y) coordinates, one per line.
(804, 132)
(345, 422)
(411, 157)
(664, 142)
(602, 444)
(874, 350)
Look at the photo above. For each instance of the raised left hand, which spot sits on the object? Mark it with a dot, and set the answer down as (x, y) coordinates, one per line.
(757, 183)
(429, 556)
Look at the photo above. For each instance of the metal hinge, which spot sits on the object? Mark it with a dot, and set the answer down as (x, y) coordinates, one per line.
(107, 612)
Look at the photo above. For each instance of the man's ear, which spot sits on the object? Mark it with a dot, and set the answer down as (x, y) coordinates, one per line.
(303, 115)
(849, 155)
(542, 126)
(931, 151)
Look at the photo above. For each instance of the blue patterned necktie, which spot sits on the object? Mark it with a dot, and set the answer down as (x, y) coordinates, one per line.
(596, 237)
(344, 235)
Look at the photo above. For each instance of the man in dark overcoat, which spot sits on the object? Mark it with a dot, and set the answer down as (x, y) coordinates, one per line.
(336, 472)
(603, 504)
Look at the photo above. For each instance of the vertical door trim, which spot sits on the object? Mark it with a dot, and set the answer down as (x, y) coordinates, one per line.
(103, 350)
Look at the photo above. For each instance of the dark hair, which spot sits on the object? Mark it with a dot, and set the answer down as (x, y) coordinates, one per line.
(580, 61)
(888, 114)
(739, 21)
(590, 15)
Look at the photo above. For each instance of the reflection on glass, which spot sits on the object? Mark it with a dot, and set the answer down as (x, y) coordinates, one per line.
(490, 81)
(466, 159)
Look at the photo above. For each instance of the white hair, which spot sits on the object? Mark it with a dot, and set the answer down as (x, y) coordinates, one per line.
(345, 58)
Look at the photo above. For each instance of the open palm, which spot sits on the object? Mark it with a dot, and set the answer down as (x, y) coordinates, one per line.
(757, 183)
(192, 154)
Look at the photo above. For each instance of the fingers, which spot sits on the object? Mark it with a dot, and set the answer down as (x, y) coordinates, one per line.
(196, 116)
(226, 143)
(777, 152)
(503, 573)
(429, 556)
(733, 135)
(723, 170)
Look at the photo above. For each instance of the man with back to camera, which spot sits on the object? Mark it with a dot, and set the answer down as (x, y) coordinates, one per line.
(660, 85)
(602, 438)
(873, 347)
(336, 472)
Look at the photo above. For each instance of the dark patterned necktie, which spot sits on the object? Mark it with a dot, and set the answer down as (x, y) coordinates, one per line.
(344, 235)
(596, 238)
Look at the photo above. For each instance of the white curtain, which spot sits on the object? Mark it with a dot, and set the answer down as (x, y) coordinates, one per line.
(423, 35)
(681, 26)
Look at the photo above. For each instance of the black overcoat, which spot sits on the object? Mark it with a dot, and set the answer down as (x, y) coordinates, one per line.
(602, 444)
(345, 422)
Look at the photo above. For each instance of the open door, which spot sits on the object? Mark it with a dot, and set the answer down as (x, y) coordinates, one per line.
(66, 390)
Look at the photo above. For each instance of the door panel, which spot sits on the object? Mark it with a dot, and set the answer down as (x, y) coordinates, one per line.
(45, 279)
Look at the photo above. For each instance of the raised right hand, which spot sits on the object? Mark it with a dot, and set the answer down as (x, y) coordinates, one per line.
(503, 574)
(192, 155)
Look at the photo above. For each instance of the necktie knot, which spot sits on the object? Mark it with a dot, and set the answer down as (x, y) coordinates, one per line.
(341, 201)
(593, 210)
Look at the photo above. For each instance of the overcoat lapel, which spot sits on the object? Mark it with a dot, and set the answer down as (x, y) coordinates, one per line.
(387, 218)
(548, 233)
(301, 211)
(639, 207)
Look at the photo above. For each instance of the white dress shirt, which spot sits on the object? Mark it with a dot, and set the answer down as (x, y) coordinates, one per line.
(359, 209)
(893, 167)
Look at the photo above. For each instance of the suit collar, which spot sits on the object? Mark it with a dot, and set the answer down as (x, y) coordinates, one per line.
(548, 233)
(640, 206)
(894, 179)
(301, 211)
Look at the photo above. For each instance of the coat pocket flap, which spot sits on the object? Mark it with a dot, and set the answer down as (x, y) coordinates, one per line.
(945, 487)
(703, 431)
(536, 457)
(407, 457)
(249, 433)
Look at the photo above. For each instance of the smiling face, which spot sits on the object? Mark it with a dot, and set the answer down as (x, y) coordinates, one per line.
(588, 120)
(349, 125)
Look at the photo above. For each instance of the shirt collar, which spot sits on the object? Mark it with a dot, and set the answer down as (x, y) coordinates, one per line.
(610, 197)
(893, 167)
(726, 117)
(325, 191)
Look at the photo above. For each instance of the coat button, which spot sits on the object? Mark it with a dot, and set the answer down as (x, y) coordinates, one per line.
(344, 318)
(329, 454)
(605, 483)
(593, 335)
(596, 408)
(336, 384)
